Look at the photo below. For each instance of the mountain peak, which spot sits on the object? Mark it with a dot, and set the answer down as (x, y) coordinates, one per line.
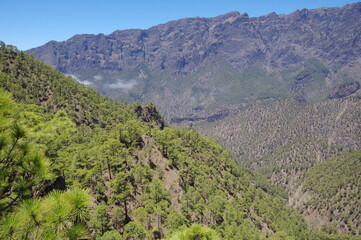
(230, 15)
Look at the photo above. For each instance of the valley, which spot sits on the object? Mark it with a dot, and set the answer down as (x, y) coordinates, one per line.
(286, 142)
(229, 127)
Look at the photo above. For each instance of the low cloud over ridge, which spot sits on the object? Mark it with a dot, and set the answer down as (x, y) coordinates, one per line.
(122, 85)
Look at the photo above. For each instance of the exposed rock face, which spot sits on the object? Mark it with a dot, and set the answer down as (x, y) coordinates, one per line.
(150, 114)
(202, 63)
(332, 34)
(169, 175)
(58, 184)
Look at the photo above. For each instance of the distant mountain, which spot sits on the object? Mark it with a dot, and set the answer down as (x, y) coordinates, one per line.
(198, 67)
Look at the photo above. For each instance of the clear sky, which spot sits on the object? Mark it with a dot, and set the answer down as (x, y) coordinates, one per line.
(31, 23)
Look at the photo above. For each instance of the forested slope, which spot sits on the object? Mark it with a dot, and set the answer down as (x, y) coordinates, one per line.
(75, 165)
(294, 144)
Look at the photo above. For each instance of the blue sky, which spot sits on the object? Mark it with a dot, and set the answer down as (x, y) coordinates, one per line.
(31, 23)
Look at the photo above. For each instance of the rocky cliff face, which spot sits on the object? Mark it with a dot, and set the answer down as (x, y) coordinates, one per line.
(332, 34)
(208, 62)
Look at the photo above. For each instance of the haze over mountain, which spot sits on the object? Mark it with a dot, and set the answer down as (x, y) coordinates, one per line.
(199, 66)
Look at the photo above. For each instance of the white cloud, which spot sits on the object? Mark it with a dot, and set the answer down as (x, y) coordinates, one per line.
(98, 77)
(122, 85)
(85, 82)
(73, 76)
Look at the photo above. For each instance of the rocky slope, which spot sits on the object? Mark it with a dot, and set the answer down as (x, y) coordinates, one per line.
(196, 65)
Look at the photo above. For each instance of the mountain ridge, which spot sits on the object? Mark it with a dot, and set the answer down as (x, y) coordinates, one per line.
(211, 62)
(227, 17)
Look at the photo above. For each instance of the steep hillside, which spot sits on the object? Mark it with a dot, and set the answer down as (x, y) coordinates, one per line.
(292, 143)
(32, 82)
(335, 187)
(115, 171)
(196, 67)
